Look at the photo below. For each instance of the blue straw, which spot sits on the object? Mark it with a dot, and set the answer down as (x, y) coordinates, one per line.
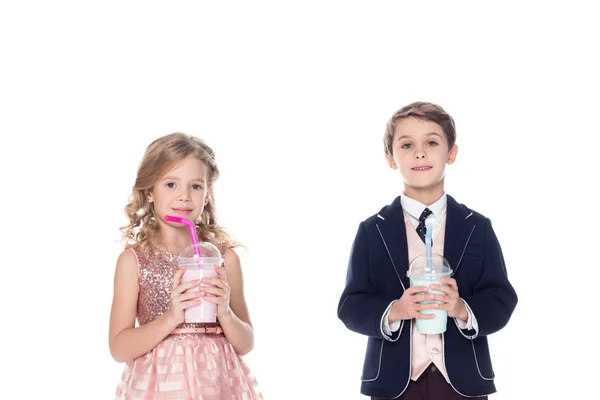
(428, 245)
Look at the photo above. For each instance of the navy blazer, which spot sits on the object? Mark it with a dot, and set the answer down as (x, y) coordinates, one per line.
(377, 276)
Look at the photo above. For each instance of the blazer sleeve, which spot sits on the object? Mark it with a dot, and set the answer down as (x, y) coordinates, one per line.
(360, 308)
(494, 299)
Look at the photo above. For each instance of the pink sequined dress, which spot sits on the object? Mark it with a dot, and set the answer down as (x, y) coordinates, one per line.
(198, 366)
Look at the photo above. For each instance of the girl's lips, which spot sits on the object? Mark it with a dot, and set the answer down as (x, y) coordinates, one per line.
(182, 210)
(423, 168)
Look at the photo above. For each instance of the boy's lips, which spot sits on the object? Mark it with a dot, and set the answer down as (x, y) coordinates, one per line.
(422, 168)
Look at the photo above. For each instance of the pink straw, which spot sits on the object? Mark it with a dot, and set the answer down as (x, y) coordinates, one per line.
(192, 228)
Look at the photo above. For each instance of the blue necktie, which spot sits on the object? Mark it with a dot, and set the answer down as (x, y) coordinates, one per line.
(421, 228)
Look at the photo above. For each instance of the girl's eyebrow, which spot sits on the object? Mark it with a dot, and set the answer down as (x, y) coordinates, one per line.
(172, 178)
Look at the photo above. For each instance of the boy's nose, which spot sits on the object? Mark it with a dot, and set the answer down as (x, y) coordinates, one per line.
(419, 155)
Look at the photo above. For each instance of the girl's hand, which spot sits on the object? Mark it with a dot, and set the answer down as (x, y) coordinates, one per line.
(218, 292)
(181, 298)
(451, 299)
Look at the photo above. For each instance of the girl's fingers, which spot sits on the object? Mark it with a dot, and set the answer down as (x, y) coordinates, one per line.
(221, 272)
(186, 286)
(212, 299)
(214, 282)
(177, 277)
(194, 303)
(212, 290)
(189, 295)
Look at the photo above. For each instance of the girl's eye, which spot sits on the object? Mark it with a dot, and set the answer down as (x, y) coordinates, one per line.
(406, 146)
(170, 185)
(432, 143)
(196, 186)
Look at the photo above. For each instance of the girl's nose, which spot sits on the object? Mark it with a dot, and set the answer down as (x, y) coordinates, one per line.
(184, 196)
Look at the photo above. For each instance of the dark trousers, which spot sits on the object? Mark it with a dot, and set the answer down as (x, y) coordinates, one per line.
(431, 385)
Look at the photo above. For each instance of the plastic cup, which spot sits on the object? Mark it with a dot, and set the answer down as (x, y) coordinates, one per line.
(420, 274)
(198, 268)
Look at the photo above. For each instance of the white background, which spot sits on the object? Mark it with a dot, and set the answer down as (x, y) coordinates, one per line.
(294, 99)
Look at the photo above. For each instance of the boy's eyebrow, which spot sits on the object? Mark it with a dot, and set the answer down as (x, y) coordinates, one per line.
(172, 178)
(427, 134)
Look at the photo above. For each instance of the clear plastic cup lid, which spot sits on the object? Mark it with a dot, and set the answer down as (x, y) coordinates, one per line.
(438, 267)
(209, 253)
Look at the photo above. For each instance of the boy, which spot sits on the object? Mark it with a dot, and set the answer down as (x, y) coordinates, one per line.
(378, 301)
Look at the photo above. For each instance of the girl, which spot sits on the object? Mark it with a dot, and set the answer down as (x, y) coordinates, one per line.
(167, 358)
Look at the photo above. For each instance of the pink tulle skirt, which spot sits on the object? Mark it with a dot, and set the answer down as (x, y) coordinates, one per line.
(205, 368)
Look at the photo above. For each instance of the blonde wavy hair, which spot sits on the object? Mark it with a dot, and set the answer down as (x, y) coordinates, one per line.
(161, 156)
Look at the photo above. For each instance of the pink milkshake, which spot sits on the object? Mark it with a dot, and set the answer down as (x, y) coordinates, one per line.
(198, 268)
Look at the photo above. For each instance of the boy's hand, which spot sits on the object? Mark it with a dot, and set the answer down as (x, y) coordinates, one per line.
(452, 302)
(408, 307)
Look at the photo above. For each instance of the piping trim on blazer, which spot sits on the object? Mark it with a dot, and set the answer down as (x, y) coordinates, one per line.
(386, 337)
(469, 215)
(402, 325)
(390, 255)
(477, 364)
(446, 368)
(409, 365)
(470, 337)
(342, 305)
(378, 367)
(464, 249)
(379, 216)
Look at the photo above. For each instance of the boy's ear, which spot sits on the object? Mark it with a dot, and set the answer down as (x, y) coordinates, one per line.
(452, 154)
(391, 161)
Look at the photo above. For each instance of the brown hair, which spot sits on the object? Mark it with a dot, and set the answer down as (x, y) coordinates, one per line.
(424, 111)
(160, 156)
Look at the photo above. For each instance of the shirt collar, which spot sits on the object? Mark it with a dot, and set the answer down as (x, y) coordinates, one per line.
(415, 208)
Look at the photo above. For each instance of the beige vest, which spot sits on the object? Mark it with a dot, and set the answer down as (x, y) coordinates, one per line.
(425, 348)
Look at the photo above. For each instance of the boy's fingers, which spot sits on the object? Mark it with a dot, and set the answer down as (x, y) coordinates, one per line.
(424, 316)
(422, 297)
(416, 289)
(429, 306)
(441, 297)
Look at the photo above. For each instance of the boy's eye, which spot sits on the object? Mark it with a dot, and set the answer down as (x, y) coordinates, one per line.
(170, 185)
(196, 186)
(432, 143)
(406, 146)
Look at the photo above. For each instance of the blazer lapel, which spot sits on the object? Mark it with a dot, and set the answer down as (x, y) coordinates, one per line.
(458, 232)
(393, 233)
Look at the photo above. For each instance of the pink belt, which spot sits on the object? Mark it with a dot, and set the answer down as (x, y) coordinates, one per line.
(203, 329)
